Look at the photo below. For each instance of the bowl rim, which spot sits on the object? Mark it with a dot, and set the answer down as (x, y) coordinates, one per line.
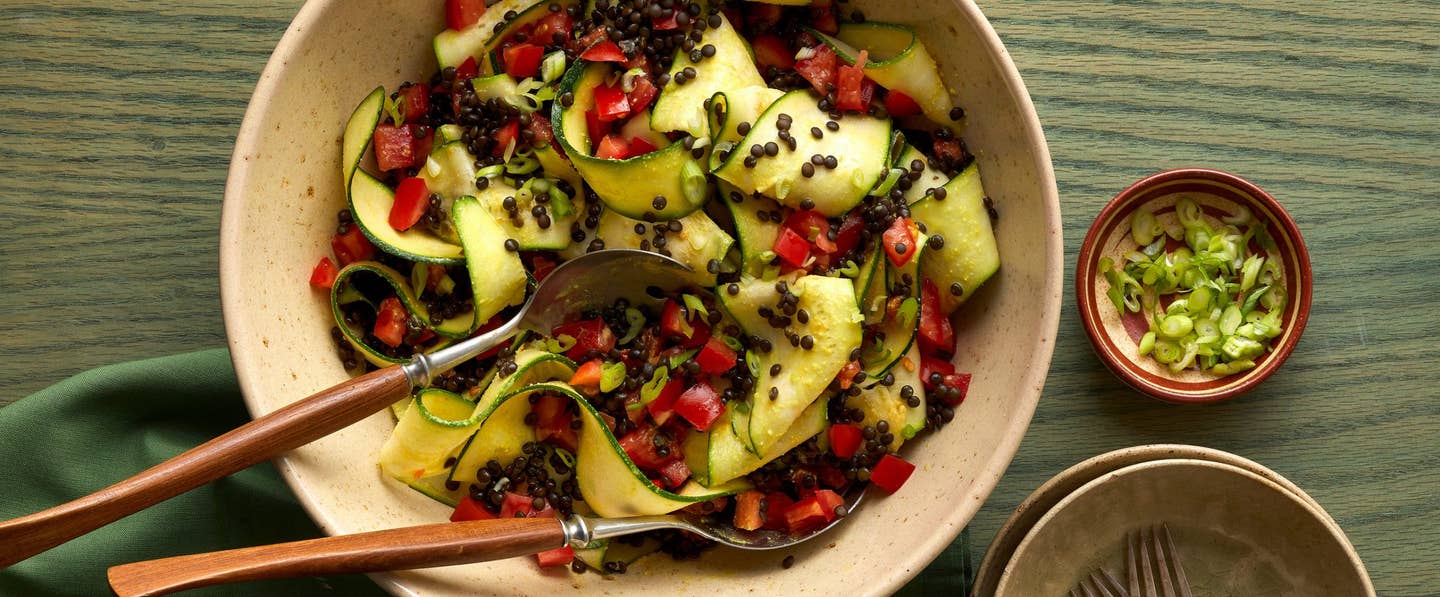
(1086, 298)
(1024, 402)
(1314, 510)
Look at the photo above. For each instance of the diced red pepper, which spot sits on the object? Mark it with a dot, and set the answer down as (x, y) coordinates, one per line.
(640, 146)
(556, 557)
(850, 89)
(900, 105)
(523, 60)
(323, 276)
(819, 68)
(394, 147)
(515, 503)
(814, 227)
(640, 446)
(415, 102)
(552, 422)
(613, 147)
(552, 28)
(665, 23)
(673, 322)
(931, 365)
(596, 129)
(469, 509)
(891, 473)
(828, 500)
(605, 51)
(747, 510)
(351, 246)
(643, 94)
(463, 14)
(587, 41)
(412, 198)
(775, 506)
(831, 476)
(961, 383)
(663, 406)
(587, 375)
(949, 150)
(611, 103)
(899, 241)
(791, 247)
(589, 334)
(850, 233)
(716, 357)
(847, 374)
(469, 69)
(674, 473)
(700, 405)
(509, 133)
(845, 439)
(805, 516)
(937, 336)
(540, 129)
(541, 266)
(770, 50)
(390, 322)
(760, 16)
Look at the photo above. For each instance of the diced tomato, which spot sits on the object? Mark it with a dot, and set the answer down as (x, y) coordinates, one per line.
(540, 130)
(415, 102)
(936, 334)
(828, 500)
(845, 439)
(469, 69)
(640, 146)
(930, 365)
(675, 473)
(556, 557)
(351, 246)
(814, 227)
(596, 128)
(961, 383)
(390, 322)
(850, 233)
(515, 503)
(665, 23)
(611, 103)
(589, 334)
(673, 322)
(422, 146)
(847, 374)
(605, 51)
(412, 198)
(463, 14)
(823, 18)
(759, 15)
(541, 266)
(831, 476)
(640, 446)
(747, 510)
(900, 234)
(394, 147)
(663, 406)
(891, 473)
(949, 150)
(805, 516)
(900, 105)
(850, 92)
(700, 405)
(595, 36)
(587, 375)
(613, 147)
(819, 68)
(775, 505)
(552, 28)
(323, 276)
(523, 60)
(770, 50)
(791, 247)
(509, 133)
(643, 94)
(469, 509)
(716, 357)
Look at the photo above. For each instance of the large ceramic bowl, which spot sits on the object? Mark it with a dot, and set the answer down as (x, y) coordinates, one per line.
(280, 204)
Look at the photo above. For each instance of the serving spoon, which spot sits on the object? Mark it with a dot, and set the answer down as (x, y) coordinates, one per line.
(595, 279)
(424, 546)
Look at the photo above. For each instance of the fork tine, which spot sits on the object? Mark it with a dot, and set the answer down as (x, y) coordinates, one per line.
(1147, 575)
(1089, 590)
(1162, 565)
(1132, 565)
(1178, 569)
(1109, 583)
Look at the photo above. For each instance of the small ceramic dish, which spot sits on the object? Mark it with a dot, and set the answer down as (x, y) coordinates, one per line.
(1043, 499)
(1116, 335)
(1236, 532)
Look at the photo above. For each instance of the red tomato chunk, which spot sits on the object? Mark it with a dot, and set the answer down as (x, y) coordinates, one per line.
(891, 473)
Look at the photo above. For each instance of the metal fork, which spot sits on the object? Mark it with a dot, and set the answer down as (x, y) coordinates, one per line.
(1154, 558)
(1100, 583)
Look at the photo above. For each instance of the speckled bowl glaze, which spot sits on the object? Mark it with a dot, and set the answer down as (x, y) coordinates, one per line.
(1043, 499)
(1236, 532)
(280, 203)
(1115, 336)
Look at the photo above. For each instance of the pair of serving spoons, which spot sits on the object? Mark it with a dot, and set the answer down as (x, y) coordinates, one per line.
(593, 280)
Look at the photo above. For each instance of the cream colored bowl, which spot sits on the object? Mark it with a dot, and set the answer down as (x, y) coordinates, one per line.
(280, 205)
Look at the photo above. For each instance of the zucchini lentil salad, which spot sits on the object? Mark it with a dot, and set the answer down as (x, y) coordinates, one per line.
(803, 157)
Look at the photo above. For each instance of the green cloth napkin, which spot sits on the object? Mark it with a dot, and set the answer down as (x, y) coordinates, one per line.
(99, 427)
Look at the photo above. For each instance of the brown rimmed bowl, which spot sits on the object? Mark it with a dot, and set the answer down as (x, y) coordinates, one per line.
(1116, 335)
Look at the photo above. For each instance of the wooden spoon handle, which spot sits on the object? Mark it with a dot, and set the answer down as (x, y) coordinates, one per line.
(257, 441)
(445, 544)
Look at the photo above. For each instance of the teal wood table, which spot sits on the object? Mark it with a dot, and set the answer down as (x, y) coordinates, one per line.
(117, 122)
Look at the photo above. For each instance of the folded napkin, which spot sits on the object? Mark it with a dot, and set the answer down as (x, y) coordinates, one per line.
(102, 426)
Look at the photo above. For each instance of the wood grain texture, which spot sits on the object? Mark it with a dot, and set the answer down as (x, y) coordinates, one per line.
(118, 124)
(444, 544)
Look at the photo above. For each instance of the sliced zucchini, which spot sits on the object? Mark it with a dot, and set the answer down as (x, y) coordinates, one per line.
(503, 430)
(529, 234)
(861, 148)
(431, 431)
(682, 107)
(928, 180)
(756, 236)
(698, 242)
(497, 275)
(872, 272)
(450, 173)
(834, 326)
(453, 47)
(725, 455)
(897, 60)
(883, 403)
(897, 333)
(344, 292)
(970, 255)
(630, 187)
(593, 554)
(729, 109)
(359, 132)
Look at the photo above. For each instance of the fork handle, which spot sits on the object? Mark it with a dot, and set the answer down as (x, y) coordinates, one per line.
(426, 546)
(257, 441)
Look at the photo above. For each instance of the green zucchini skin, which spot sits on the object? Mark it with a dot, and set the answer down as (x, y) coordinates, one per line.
(971, 255)
(897, 60)
(682, 107)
